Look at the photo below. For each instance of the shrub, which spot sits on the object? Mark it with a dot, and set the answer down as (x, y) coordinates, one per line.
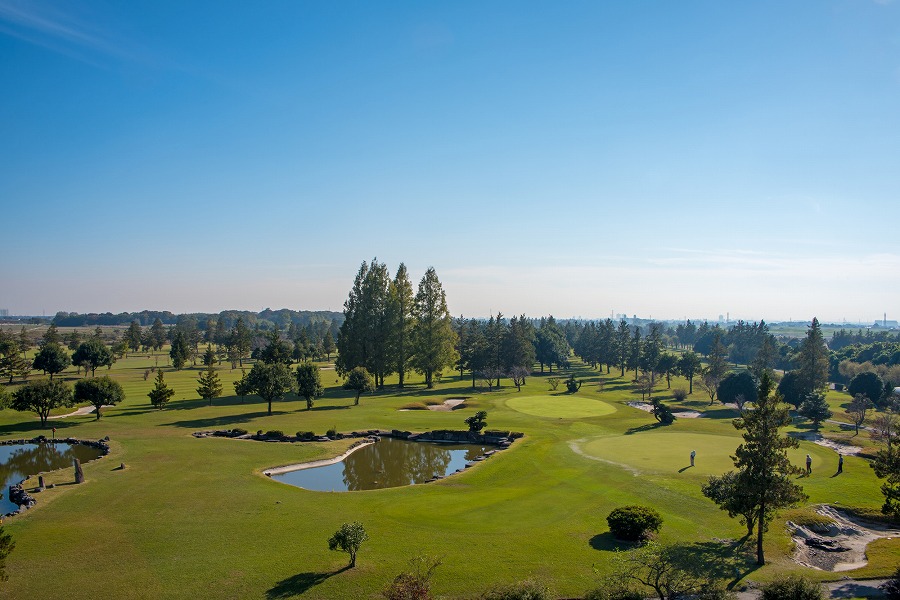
(238, 431)
(792, 587)
(553, 382)
(275, 433)
(414, 584)
(891, 587)
(332, 433)
(522, 590)
(477, 422)
(634, 523)
(306, 435)
(614, 591)
(679, 394)
(572, 384)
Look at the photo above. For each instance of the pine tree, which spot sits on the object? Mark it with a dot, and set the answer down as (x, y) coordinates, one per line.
(179, 351)
(763, 483)
(209, 385)
(161, 393)
(401, 319)
(433, 337)
(812, 360)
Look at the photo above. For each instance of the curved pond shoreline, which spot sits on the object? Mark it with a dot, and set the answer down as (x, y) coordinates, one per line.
(318, 463)
(500, 439)
(17, 493)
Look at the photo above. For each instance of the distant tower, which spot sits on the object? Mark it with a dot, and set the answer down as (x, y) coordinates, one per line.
(885, 319)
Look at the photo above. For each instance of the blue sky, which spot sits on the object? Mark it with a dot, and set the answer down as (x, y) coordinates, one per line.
(665, 159)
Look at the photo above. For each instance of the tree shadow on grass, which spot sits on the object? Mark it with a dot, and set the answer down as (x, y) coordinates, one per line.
(721, 413)
(34, 427)
(299, 583)
(643, 428)
(731, 559)
(606, 541)
(222, 420)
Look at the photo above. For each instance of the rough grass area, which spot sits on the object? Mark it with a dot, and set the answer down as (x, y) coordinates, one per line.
(195, 518)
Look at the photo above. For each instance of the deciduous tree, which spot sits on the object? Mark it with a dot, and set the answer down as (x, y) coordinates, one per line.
(348, 539)
(52, 359)
(270, 382)
(360, 381)
(309, 384)
(99, 392)
(41, 397)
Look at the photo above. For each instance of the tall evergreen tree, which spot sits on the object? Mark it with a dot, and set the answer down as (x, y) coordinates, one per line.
(434, 338)
(812, 360)
(622, 346)
(179, 351)
(51, 336)
(209, 385)
(401, 300)
(157, 335)
(134, 336)
(161, 392)
(764, 478)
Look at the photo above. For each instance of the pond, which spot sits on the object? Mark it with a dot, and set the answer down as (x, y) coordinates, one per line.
(385, 464)
(18, 461)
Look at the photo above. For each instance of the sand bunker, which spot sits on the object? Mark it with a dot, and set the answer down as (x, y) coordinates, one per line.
(448, 404)
(817, 438)
(682, 414)
(838, 546)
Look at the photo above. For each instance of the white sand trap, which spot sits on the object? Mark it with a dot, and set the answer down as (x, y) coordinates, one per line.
(817, 438)
(448, 404)
(682, 414)
(848, 541)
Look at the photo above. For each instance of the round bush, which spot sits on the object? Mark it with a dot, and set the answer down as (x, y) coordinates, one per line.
(634, 523)
(792, 587)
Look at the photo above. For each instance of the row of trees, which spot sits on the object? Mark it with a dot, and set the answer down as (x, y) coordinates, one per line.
(389, 330)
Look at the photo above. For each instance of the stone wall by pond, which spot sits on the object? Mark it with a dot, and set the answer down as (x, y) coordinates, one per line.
(17, 492)
(491, 437)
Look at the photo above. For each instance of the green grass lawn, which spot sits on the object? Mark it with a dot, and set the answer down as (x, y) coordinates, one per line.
(195, 518)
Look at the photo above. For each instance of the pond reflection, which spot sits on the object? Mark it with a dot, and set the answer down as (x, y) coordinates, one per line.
(385, 464)
(16, 462)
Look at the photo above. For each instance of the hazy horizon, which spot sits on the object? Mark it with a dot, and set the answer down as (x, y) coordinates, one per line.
(660, 159)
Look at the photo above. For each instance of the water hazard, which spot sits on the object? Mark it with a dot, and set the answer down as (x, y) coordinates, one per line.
(385, 464)
(16, 462)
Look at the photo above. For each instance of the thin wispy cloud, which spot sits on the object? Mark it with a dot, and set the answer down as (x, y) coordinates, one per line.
(47, 26)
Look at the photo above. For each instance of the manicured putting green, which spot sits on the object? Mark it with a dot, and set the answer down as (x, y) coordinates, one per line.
(666, 452)
(560, 407)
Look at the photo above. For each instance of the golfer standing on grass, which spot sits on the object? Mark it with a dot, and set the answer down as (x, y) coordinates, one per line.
(693, 454)
(808, 464)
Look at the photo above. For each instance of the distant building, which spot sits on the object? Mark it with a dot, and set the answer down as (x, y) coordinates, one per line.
(4, 312)
(887, 324)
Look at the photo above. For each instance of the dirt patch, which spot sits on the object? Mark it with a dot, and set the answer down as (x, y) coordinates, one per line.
(838, 546)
